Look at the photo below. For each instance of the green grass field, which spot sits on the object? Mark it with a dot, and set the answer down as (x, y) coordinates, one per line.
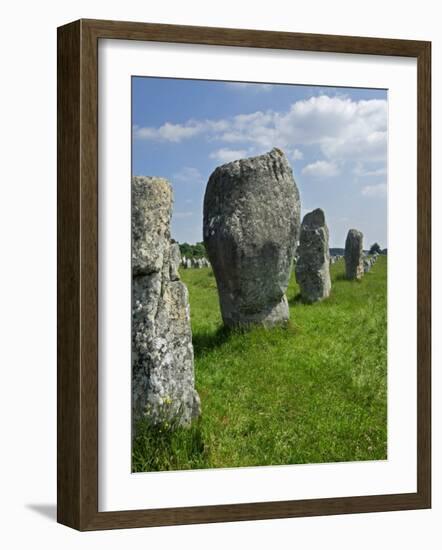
(314, 391)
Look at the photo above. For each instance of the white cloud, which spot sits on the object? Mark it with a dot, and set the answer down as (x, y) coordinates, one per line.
(344, 130)
(188, 174)
(227, 155)
(371, 147)
(179, 132)
(375, 191)
(170, 132)
(297, 154)
(321, 168)
(256, 129)
(249, 86)
(361, 171)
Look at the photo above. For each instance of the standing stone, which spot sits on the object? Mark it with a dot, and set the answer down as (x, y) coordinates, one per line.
(313, 266)
(175, 262)
(354, 268)
(251, 226)
(162, 352)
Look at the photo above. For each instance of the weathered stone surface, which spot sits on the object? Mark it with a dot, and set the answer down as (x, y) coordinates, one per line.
(162, 352)
(151, 210)
(354, 268)
(313, 266)
(175, 262)
(251, 225)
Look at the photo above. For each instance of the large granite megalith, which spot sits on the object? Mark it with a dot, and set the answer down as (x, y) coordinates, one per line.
(251, 224)
(354, 265)
(313, 265)
(162, 353)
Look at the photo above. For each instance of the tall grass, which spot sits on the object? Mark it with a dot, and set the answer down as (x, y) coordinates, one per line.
(313, 391)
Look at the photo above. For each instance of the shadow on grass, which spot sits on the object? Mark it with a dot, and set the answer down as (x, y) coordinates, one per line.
(296, 299)
(342, 277)
(207, 341)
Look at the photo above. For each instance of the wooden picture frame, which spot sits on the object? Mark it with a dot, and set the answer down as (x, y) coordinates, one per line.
(77, 226)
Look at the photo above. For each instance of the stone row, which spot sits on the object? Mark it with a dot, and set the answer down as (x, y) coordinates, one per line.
(253, 236)
(197, 263)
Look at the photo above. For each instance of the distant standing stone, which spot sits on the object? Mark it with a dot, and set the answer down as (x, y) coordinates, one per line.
(313, 266)
(354, 268)
(162, 352)
(251, 226)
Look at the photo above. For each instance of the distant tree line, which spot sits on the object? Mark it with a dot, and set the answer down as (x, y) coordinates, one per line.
(373, 248)
(376, 248)
(197, 250)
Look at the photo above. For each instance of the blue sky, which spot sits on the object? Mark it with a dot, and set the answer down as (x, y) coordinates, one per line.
(334, 138)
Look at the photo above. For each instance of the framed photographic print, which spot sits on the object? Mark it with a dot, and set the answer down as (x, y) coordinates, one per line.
(243, 274)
